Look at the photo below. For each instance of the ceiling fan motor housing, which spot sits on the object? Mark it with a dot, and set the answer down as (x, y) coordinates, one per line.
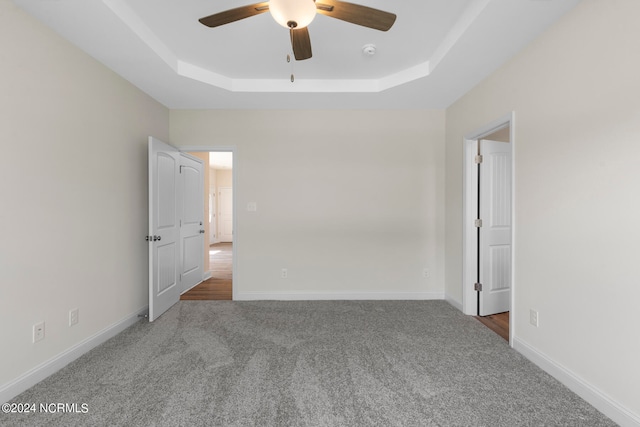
(300, 13)
(296, 15)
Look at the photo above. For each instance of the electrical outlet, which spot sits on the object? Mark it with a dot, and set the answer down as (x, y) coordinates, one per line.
(533, 317)
(38, 332)
(425, 273)
(284, 273)
(73, 316)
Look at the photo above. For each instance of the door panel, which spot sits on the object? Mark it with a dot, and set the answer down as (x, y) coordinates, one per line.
(166, 269)
(191, 208)
(164, 227)
(495, 233)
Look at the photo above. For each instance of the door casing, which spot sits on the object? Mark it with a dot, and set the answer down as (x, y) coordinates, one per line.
(234, 190)
(470, 203)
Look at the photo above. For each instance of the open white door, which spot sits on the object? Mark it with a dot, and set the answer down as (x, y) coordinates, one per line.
(191, 211)
(164, 227)
(495, 231)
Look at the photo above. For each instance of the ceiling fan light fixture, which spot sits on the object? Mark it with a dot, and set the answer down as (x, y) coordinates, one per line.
(293, 13)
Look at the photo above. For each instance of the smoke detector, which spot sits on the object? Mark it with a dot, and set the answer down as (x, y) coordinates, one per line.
(369, 49)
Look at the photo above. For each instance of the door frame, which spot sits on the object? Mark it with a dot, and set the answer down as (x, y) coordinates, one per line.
(469, 214)
(234, 189)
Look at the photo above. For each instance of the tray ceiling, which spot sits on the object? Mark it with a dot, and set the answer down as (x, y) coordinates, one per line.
(435, 52)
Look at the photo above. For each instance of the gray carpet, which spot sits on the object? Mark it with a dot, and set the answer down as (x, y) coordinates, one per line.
(322, 363)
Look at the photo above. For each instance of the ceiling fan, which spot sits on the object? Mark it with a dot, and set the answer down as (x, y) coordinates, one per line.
(296, 15)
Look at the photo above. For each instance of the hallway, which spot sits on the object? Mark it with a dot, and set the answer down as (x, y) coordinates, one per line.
(219, 286)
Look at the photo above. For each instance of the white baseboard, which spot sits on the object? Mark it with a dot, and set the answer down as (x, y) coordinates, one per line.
(318, 296)
(579, 386)
(187, 290)
(30, 378)
(457, 304)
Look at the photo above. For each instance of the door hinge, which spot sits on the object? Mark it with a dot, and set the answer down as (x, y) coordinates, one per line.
(478, 159)
(478, 223)
(477, 286)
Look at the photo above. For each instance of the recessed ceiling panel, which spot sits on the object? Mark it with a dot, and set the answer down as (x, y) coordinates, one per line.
(256, 47)
(435, 51)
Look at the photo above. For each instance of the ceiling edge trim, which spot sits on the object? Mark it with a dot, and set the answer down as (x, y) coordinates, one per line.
(468, 17)
(129, 17)
(124, 12)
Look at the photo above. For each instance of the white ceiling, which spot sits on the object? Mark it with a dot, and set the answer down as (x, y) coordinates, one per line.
(436, 51)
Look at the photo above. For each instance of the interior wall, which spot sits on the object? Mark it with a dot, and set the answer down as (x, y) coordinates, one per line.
(502, 135)
(224, 178)
(577, 119)
(350, 202)
(74, 193)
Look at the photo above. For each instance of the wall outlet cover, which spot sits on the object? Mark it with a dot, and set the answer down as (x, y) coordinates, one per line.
(73, 316)
(38, 332)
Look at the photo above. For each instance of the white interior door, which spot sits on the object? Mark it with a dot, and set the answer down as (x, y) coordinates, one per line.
(164, 227)
(225, 214)
(495, 232)
(191, 212)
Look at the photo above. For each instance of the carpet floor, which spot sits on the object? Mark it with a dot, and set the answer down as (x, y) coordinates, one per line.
(307, 363)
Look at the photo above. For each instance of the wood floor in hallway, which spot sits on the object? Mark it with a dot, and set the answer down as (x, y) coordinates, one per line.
(498, 323)
(219, 286)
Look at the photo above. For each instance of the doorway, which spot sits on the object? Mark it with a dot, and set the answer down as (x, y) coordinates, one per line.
(218, 287)
(488, 225)
(220, 245)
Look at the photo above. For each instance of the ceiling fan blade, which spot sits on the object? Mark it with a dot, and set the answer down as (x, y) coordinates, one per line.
(357, 14)
(301, 43)
(236, 14)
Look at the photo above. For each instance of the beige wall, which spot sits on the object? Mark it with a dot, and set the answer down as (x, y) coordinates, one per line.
(224, 178)
(502, 135)
(74, 193)
(576, 96)
(74, 182)
(350, 202)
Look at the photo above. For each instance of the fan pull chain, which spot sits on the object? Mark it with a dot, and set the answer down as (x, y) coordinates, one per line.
(289, 61)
